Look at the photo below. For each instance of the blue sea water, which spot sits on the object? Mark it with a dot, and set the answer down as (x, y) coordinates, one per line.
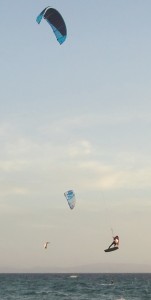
(75, 287)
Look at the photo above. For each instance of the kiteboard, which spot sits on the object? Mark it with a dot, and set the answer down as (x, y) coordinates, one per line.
(111, 249)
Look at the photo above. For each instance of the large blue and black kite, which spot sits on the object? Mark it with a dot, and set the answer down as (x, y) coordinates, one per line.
(55, 20)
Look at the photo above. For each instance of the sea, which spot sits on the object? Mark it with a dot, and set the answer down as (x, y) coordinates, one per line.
(75, 286)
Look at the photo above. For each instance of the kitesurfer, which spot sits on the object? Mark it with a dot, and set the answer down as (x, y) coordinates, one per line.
(115, 242)
(46, 245)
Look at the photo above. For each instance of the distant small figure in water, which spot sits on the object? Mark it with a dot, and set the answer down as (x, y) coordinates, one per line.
(46, 244)
(115, 242)
(112, 282)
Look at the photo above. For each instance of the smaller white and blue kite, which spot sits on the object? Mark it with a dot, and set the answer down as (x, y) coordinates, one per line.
(70, 196)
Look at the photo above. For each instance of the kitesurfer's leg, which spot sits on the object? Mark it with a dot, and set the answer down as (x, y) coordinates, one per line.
(111, 245)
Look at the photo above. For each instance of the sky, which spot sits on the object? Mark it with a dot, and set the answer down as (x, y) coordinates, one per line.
(75, 116)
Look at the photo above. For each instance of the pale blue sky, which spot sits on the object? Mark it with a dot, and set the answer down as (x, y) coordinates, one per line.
(75, 116)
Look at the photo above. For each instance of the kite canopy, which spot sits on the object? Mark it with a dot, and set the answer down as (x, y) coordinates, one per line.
(55, 20)
(70, 196)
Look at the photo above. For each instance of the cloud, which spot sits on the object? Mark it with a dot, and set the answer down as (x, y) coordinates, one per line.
(101, 176)
(5, 129)
(12, 189)
(12, 165)
(91, 120)
(57, 162)
(80, 148)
